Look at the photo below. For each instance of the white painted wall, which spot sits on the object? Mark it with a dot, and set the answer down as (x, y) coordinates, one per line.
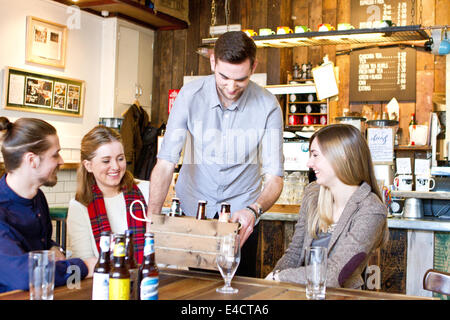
(83, 61)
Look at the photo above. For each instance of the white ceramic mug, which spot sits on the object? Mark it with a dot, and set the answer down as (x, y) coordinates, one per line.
(403, 182)
(425, 183)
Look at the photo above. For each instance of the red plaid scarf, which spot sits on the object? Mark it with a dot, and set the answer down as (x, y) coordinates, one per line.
(100, 222)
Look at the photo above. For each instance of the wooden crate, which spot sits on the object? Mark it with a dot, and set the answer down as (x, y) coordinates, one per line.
(188, 242)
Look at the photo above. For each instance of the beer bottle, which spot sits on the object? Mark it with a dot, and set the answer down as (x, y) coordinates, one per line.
(100, 281)
(201, 210)
(119, 276)
(225, 212)
(132, 266)
(175, 209)
(148, 272)
(413, 120)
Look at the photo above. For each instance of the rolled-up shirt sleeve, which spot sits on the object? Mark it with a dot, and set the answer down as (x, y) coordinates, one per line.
(176, 130)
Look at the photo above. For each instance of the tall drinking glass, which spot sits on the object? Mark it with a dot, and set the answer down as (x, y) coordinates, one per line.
(228, 260)
(316, 272)
(41, 271)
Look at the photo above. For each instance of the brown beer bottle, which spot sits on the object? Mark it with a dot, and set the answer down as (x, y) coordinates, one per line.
(100, 280)
(132, 266)
(225, 212)
(148, 272)
(119, 276)
(201, 210)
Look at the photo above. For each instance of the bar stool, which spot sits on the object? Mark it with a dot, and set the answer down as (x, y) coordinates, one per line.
(59, 214)
(437, 281)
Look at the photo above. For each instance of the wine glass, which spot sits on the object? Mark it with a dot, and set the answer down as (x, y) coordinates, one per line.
(228, 260)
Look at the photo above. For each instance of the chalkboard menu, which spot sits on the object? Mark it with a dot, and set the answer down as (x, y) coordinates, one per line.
(380, 74)
(365, 13)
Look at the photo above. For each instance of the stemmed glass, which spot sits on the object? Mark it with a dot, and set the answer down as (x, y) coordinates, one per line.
(228, 260)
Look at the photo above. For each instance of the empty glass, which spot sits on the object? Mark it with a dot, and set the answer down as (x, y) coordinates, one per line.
(41, 269)
(228, 260)
(316, 272)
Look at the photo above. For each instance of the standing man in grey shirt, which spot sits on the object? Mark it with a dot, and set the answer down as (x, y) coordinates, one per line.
(231, 130)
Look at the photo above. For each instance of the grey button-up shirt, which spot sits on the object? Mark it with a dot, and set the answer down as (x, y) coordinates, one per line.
(227, 150)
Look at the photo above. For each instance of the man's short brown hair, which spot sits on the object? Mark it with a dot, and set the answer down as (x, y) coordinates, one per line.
(235, 47)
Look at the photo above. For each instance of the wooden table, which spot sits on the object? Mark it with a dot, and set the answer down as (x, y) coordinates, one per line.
(195, 285)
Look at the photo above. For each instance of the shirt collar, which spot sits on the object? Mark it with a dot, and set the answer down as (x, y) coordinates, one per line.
(8, 194)
(214, 100)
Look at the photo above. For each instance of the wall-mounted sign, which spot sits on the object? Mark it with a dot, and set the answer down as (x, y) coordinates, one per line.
(380, 74)
(366, 13)
(381, 145)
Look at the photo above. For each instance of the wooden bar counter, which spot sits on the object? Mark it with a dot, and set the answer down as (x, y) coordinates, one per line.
(195, 285)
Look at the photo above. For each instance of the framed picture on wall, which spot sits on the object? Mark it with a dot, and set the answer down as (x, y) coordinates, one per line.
(44, 93)
(46, 42)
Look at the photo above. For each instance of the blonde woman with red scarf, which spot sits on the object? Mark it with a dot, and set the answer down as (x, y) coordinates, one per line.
(105, 190)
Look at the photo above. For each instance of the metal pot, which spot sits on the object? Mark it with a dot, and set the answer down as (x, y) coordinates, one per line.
(413, 208)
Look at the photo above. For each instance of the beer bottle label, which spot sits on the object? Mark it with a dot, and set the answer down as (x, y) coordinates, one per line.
(119, 289)
(149, 288)
(100, 286)
(149, 246)
(119, 250)
(104, 244)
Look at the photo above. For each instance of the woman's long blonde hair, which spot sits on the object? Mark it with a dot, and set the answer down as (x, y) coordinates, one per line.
(95, 138)
(348, 153)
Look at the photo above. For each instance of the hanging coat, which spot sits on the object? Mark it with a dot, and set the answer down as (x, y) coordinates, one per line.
(134, 123)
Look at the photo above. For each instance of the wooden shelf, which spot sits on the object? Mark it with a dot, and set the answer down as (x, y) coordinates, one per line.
(355, 36)
(131, 11)
(440, 195)
(412, 148)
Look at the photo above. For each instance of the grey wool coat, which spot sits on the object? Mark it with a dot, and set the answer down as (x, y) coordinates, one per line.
(358, 232)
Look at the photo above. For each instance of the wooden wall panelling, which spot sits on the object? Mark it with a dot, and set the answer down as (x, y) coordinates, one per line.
(204, 67)
(272, 246)
(285, 54)
(300, 14)
(166, 63)
(419, 260)
(424, 95)
(342, 61)
(424, 67)
(442, 12)
(179, 58)
(393, 262)
(315, 18)
(257, 18)
(273, 54)
(156, 107)
(193, 40)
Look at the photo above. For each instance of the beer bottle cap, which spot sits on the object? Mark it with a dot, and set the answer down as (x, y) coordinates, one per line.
(202, 201)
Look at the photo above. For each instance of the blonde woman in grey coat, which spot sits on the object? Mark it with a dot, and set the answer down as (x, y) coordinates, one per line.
(342, 210)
